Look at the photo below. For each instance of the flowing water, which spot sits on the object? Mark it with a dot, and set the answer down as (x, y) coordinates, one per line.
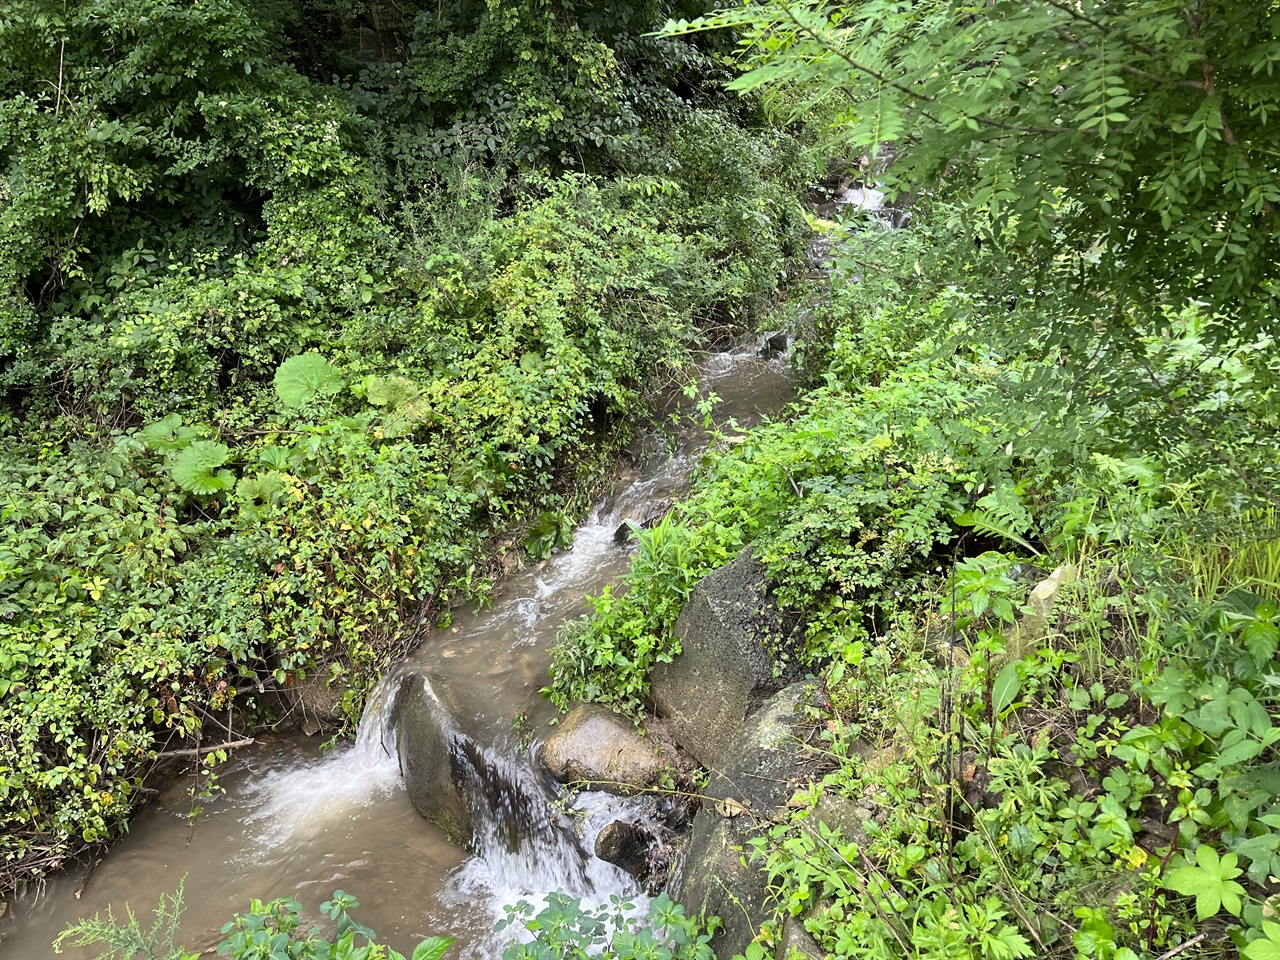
(301, 823)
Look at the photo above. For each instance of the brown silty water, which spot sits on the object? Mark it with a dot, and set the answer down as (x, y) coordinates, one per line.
(300, 823)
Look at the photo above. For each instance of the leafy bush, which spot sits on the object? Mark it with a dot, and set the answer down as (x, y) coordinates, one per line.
(1013, 777)
(269, 931)
(566, 929)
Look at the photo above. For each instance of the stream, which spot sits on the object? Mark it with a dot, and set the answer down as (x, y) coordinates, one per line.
(298, 822)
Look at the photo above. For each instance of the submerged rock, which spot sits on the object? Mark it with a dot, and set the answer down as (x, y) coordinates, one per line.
(728, 631)
(757, 772)
(594, 745)
(645, 517)
(637, 849)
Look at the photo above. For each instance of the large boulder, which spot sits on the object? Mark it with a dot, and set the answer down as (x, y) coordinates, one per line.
(433, 754)
(594, 746)
(755, 776)
(728, 631)
(475, 795)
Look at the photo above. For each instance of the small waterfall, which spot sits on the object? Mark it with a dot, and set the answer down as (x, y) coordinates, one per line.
(528, 836)
(375, 743)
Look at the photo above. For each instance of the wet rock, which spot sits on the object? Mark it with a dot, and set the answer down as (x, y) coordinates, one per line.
(628, 847)
(593, 744)
(757, 772)
(775, 345)
(452, 780)
(432, 749)
(725, 670)
(643, 518)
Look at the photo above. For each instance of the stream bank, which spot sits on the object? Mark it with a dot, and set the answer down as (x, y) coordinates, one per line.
(298, 822)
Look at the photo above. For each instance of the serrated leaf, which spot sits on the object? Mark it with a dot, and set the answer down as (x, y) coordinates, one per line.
(1239, 752)
(390, 392)
(274, 456)
(1210, 881)
(167, 435)
(433, 948)
(304, 377)
(1261, 639)
(195, 469)
(261, 487)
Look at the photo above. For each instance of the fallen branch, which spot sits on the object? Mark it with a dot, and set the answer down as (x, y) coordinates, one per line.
(1181, 947)
(200, 751)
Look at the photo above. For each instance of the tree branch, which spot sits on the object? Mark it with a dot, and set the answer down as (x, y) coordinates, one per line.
(201, 751)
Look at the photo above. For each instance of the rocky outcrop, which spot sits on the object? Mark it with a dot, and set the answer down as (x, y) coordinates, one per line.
(840, 816)
(594, 746)
(775, 345)
(728, 631)
(1033, 626)
(755, 776)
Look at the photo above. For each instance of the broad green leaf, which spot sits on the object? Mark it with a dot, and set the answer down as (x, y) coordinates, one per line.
(167, 435)
(277, 457)
(195, 469)
(304, 377)
(261, 487)
(1268, 949)
(1210, 881)
(433, 948)
(1005, 688)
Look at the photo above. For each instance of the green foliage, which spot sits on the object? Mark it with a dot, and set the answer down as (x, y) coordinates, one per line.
(566, 929)
(377, 312)
(93, 671)
(1129, 134)
(1211, 881)
(551, 531)
(195, 468)
(1012, 768)
(127, 940)
(269, 931)
(301, 378)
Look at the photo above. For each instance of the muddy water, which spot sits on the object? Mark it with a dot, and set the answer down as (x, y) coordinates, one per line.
(299, 823)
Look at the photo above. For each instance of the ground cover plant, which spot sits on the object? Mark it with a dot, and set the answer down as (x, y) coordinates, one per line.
(1095, 778)
(267, 931)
